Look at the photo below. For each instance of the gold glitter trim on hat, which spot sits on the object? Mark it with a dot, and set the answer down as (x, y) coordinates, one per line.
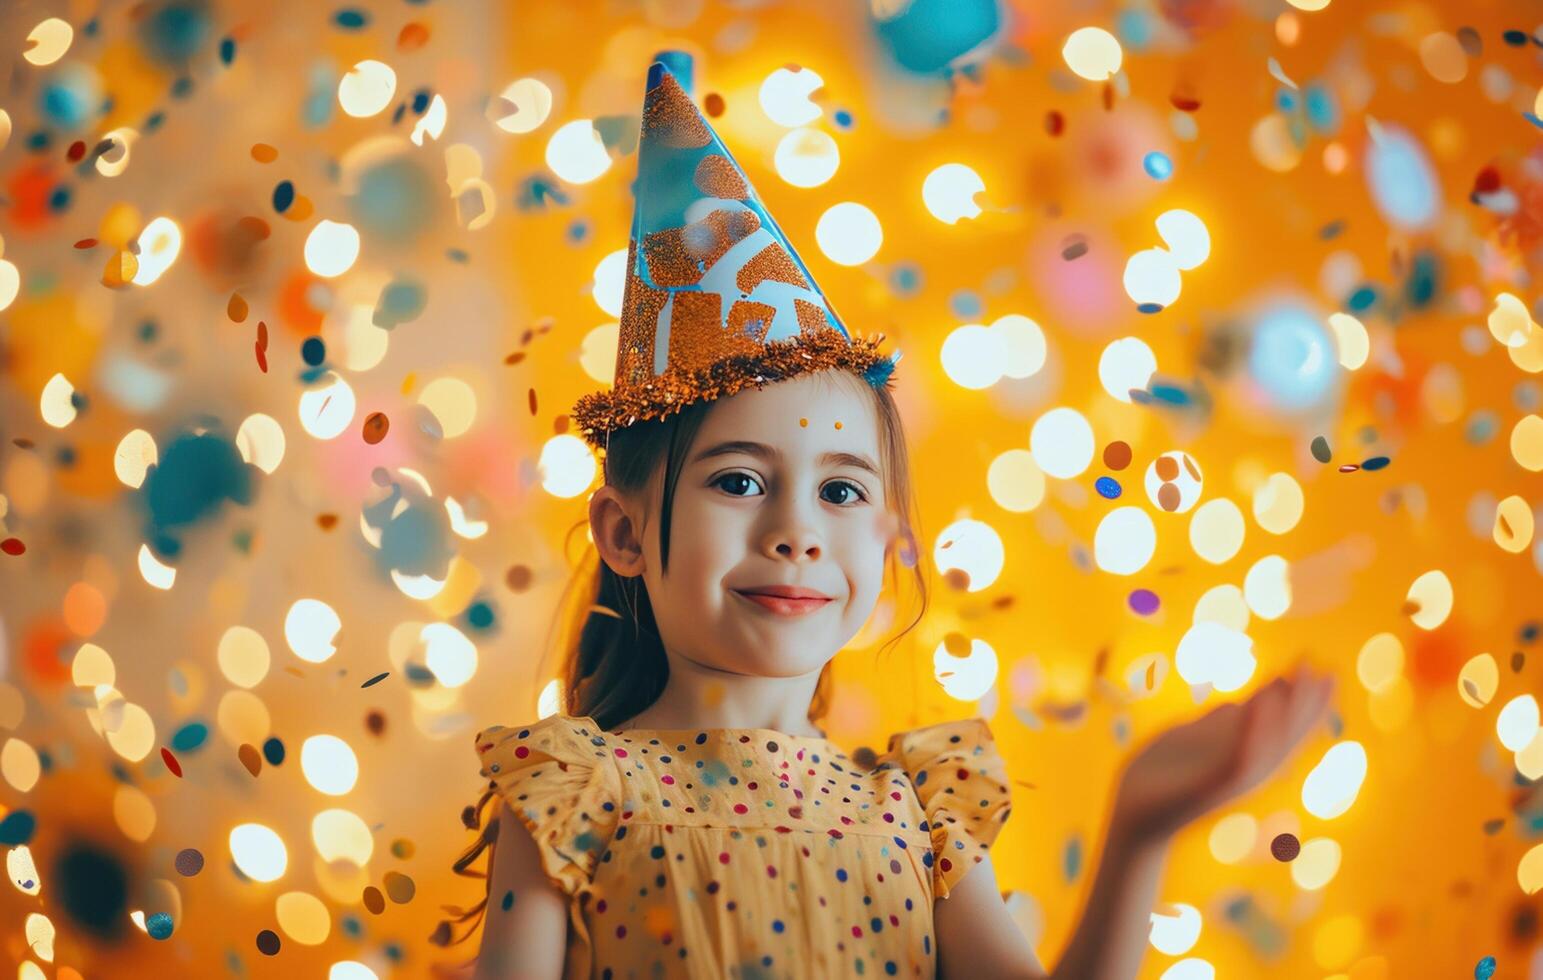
(600, 412)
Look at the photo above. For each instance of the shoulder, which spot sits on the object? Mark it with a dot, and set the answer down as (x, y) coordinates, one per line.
(562, 738)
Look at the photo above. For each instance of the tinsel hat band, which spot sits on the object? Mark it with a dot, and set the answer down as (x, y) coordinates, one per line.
(715, 298)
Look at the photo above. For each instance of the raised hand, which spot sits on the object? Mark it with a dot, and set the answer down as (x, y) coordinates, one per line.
(1193, 768)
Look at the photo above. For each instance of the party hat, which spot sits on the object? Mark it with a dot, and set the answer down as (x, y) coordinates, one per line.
(716, 298)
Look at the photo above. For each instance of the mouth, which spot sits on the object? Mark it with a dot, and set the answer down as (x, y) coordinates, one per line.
(782, 605)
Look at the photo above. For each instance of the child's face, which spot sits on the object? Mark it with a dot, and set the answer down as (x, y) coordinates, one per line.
(787, 517)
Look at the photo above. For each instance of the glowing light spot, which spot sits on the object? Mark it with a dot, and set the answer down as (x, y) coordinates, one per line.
(973, 547)
(1333, 784)
(10, 283)
(20, 765)
(453, 404)
(1092, 53)
(155, 574)
(1062, 443)
(1430, 599)
(57, 402)
(1126, 364)
(610, 281)
(576, 152)
(1015, 481)
(310, 628)
(1152, 279)
(1479, 680)
(1176, 933)
(1210, 653)
(432, 124)
(327, 412)
(329, 764)
(567, 466)
(1233, 837)
(132, 460)
(1216, 530)
(949, 192)
(1380, 662)
(243, 656)
(597, 352)
(1267, 587)
(965, 671)
(785, 95)
(341, 835)
(849, 233)
(1186, 236)
(1514, 524)
(331, 248)
(1517, 722)
(1125, 541)
(806, 157)
(1192, 968)
(1317, 864)
(522, 106)
(1350, 339)
(1278, 503)
(50, 39)
(367, 88)
(451, 657)
(1527, 443)
(303, 917)
(260, 440)
(258, 852)
(159, 245)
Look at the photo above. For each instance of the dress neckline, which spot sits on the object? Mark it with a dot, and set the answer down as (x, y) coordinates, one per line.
(768, 732)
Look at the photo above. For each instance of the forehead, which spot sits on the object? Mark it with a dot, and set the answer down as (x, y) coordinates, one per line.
(799, 415)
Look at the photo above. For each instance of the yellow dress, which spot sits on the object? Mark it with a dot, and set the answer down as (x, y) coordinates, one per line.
(748, 853)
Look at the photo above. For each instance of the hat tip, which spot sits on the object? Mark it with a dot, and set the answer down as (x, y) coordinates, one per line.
(674, 61)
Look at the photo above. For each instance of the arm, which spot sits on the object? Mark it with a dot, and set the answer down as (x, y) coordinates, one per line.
(978, 939)
(528, 940)
(1183, 774)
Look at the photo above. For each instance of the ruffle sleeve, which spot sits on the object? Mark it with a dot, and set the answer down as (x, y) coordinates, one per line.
(558, 777)
(961, 781)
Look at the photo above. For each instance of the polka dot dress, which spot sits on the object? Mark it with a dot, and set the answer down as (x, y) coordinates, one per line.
(748, 853)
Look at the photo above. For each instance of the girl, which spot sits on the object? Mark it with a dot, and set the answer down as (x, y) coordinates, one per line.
(686, 816)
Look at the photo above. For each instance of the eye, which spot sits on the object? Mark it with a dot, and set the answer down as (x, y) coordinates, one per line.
(849, 485)
(746, 477)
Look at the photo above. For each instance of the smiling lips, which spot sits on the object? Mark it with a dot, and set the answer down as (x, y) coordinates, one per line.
(785, 600)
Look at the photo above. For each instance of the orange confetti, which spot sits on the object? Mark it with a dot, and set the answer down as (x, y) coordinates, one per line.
(263, 153)
(236, 308)
(120, 270)
(412, 36)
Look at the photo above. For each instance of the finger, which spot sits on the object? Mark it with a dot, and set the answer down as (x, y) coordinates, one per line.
(1308, 708)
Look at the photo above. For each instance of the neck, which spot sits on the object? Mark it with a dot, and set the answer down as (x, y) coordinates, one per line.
(701, 697)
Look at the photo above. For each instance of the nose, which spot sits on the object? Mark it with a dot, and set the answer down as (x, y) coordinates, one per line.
(792, 536)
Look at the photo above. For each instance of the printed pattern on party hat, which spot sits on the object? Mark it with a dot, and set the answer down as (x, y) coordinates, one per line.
(715, 296)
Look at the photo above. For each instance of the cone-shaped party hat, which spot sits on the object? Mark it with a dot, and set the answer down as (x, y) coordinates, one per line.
(716, 298)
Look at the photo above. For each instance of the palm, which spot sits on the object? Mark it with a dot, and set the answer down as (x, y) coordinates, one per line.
(1193, 768)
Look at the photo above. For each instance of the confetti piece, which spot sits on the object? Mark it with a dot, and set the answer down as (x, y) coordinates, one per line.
(171, 762)
(375, 721)
(1055, 122)
(1285, 847)
(17, 828)
(374, 900)
(188, 862)
(1279, 74)
(250, 758)
(375, 427)
(283, 196)
(236, 308)
(399, 888)
(1484, 969)
(326, 521)
(159, 926)
(376, 679)
(263, 153)
(1075, 247)
(402, 848)
(273, 751)
(412, 36)
(262, 357)
(351, 19)
(86, 243)
(1320, 449)
(268, 942)
(1108, 488)
(13, 546)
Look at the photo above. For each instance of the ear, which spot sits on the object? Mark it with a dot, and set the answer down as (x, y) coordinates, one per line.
(617, 535)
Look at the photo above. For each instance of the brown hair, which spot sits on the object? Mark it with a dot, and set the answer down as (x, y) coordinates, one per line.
(613, 660)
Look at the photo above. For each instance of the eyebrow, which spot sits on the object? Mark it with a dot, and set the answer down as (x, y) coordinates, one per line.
(762, 451)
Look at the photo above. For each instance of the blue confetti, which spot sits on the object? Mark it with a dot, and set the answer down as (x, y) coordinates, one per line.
(1108, 487)
(1375, 463)
(190, 736)
(228, 50)
(17, 828)
(1484, 969)
(273, 751)
(313, 351)
(1157, 165)
(351, 19)
(283, 196)
(159, 926)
